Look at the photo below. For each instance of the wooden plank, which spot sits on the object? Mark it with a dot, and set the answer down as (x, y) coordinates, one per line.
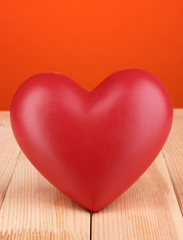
(173, 153)
(9, 151)
(5, 118)
(35, 209)
(147, 210)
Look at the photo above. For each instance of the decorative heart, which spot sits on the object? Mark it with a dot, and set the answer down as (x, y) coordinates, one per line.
(92, 145)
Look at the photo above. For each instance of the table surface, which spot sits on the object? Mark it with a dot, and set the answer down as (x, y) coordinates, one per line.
(31, 208)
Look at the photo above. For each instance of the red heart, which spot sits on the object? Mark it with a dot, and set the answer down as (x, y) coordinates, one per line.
(92, 145)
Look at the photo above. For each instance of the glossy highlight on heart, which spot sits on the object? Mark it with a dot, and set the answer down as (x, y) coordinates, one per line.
(92, 145)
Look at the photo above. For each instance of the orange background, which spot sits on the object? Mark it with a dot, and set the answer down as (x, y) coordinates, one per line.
(88, 40)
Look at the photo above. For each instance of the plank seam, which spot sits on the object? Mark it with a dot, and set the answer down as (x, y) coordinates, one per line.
(164, 156)
(18, 155)
(91, 215)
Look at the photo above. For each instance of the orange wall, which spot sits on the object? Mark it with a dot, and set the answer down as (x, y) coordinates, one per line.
(87, 40)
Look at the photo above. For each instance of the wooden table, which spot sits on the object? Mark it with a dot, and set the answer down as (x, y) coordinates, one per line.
(31, 208)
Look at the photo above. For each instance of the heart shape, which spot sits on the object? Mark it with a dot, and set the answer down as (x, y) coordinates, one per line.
(92, 145)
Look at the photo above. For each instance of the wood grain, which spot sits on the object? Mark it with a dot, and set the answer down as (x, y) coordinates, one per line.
(9, 151)
(148, 210)
(173, 153)
(5, 118)
(34, 209)
(31, 208)
(43, 235)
